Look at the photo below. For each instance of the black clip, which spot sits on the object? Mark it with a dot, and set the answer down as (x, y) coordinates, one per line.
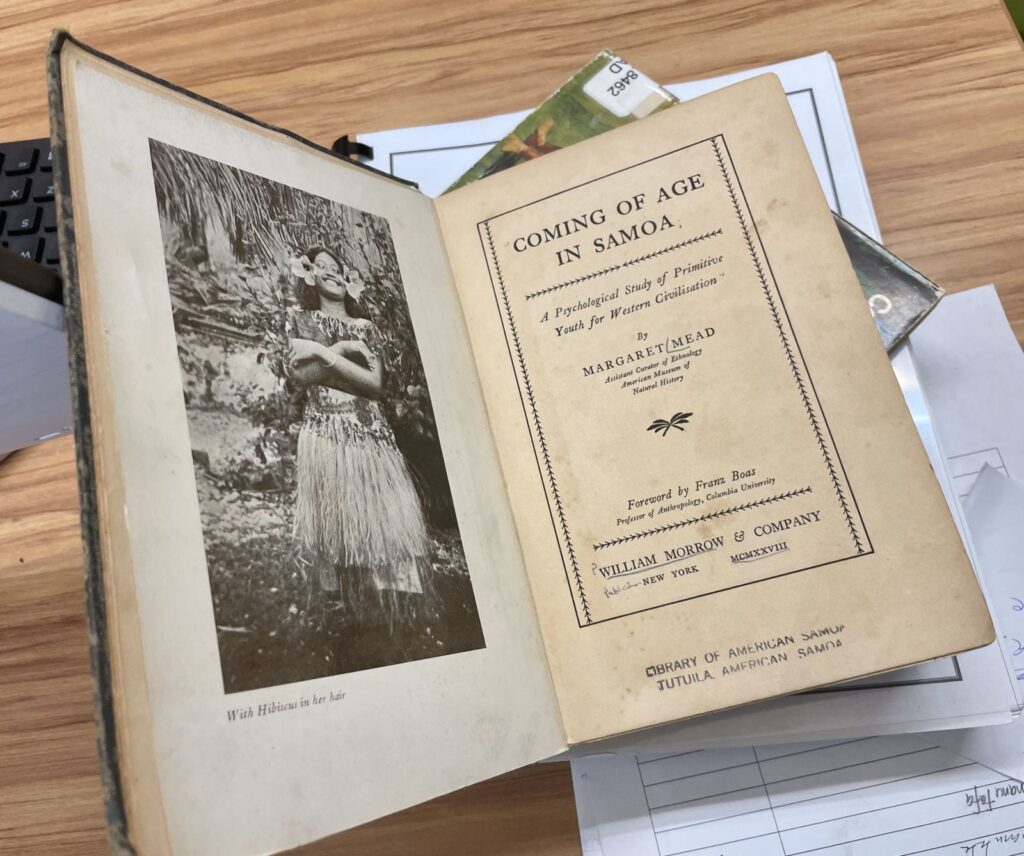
(351, 149)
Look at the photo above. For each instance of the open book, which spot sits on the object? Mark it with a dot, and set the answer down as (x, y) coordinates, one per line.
(383, 496)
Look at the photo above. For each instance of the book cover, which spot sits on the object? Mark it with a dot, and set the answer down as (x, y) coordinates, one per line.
(606, 93)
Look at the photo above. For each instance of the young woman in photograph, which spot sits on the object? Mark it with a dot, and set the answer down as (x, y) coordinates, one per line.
(358, 517)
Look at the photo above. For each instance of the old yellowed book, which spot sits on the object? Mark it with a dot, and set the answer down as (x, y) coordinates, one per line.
(383, 496)
(696, 426)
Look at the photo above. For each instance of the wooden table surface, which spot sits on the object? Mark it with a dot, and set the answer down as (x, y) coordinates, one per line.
(936, 92)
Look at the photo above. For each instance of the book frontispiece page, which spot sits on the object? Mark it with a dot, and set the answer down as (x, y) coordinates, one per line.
(717, 487)
(333, 613)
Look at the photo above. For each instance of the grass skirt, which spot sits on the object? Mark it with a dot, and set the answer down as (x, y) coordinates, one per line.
(356, 507)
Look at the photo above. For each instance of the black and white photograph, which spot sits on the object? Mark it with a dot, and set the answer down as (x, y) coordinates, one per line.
(331, 537)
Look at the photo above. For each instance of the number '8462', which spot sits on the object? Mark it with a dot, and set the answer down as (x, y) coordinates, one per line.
(619, 86)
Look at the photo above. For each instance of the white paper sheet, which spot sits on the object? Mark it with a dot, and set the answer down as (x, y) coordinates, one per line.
(995, 514)
(995, 511)
(876, 796)
(969, 361)
(971, 369)
(35, 397)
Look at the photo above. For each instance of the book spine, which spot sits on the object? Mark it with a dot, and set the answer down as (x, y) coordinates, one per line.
(95, 604)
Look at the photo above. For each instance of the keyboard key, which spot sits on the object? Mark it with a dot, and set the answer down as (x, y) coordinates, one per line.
(20, 160)
(23, 219)
(27, 246)
(51, 251)
(14, 191)
(28, 211)
(44, 189)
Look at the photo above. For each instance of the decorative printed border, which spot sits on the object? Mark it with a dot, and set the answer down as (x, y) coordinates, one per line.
(679, 524)
(539, 428)
(787, 347)
(794, 356)
(671, 248)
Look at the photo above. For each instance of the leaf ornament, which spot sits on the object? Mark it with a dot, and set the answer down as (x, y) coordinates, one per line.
(663, 426)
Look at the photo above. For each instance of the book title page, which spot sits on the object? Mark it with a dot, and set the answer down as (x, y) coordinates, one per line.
(637, 311)
(685, 384)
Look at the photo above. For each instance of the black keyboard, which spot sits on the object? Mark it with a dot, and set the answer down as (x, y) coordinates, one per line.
(28, 212)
